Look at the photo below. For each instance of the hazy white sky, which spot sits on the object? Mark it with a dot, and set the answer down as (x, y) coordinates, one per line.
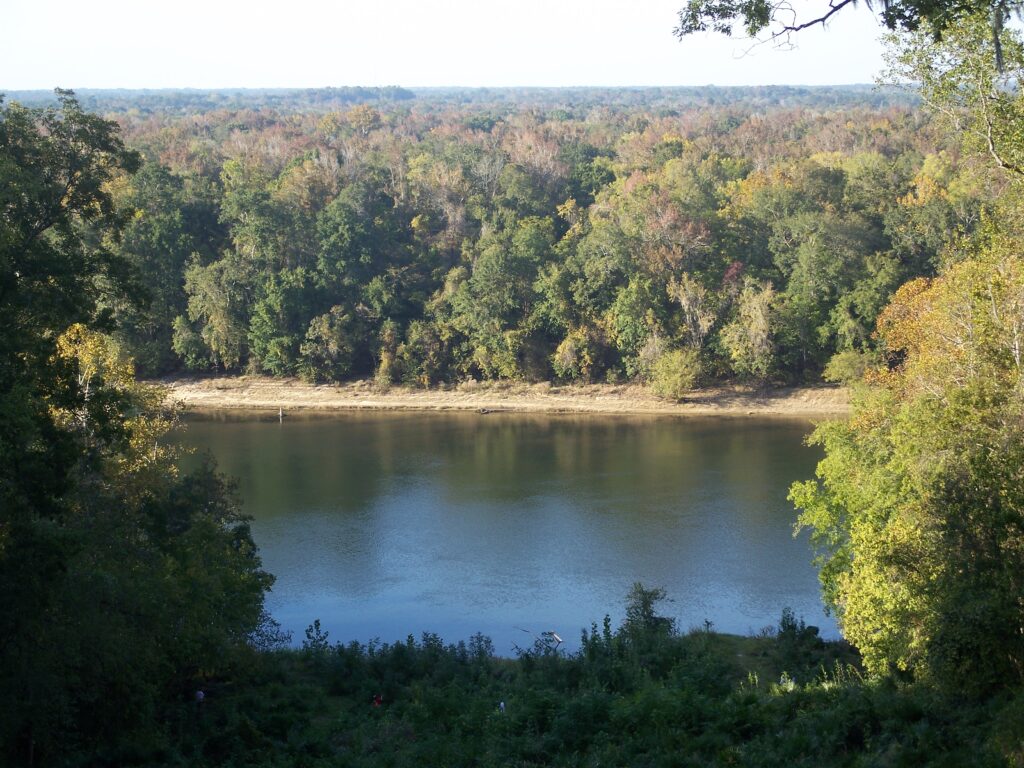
(307, 43)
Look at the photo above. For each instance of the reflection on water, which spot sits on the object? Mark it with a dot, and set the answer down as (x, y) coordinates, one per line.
(382, 525)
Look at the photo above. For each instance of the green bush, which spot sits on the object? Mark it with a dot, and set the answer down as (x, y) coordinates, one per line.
(327, 351)
(422, 355)
(676, 373)
(573, 359)
(189, 345)
(848, 367)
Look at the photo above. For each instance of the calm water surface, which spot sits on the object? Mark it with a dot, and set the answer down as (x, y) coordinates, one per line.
(382, 525)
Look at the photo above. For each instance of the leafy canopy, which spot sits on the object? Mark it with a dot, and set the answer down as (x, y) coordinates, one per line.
(918, 509)
(121, 580)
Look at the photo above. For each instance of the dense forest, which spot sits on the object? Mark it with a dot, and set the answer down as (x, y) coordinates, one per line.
(580, 100)
(424, 242)
(579, 236)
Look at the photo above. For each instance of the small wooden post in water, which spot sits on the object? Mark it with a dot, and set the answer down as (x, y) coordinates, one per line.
(280, 415)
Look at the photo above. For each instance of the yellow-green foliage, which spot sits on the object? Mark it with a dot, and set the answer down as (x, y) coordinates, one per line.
(574, 357)
(676, 373)
(919, 503)
(848, 366)
(748, 338)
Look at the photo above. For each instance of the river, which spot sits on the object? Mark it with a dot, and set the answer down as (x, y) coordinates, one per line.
(386, 524)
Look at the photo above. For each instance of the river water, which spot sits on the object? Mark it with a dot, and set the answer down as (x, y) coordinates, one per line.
(384, 524)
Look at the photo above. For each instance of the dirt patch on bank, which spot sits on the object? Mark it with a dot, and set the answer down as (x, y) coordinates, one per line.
(259, 393)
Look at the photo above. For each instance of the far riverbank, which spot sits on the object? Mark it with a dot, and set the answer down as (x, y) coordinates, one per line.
(259, 392)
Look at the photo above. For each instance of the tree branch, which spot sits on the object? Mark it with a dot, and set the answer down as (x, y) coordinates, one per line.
(834, 8)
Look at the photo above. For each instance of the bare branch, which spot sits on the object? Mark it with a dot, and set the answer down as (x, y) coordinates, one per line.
(834, 7)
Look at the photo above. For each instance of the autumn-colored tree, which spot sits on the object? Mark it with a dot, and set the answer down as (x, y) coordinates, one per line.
(918, 509)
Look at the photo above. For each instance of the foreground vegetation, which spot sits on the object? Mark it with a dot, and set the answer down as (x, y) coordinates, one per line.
(641, 695)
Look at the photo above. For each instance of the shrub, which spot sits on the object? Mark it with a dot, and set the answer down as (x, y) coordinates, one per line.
(575, 356)
(422, 355)
(848, 367)
(675, 373)
(328, 349)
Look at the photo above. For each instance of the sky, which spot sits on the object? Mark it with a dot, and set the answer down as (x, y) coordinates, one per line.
(412, 43)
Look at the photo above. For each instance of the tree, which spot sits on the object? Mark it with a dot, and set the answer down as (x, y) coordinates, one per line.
(575, 356)
(326, 352)
(363, 118)
(220, 298)
(918, 510)
(699, 312)
(782, 20)
(973, 100)
(120, 579)
(279, 319)
(500, 293)
(172, 221)
(748, 339)
(422, 354)
(632, 319)
(644, 631)
(55, 165)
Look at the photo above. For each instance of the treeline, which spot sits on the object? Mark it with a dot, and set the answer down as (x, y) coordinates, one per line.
(424, 245)
(576, 100)
(666, 100)
(191, 101)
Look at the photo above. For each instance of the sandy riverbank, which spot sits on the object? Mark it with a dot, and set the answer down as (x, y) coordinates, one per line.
(257, 392)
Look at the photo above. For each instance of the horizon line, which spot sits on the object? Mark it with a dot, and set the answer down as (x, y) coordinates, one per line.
(436, 87)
